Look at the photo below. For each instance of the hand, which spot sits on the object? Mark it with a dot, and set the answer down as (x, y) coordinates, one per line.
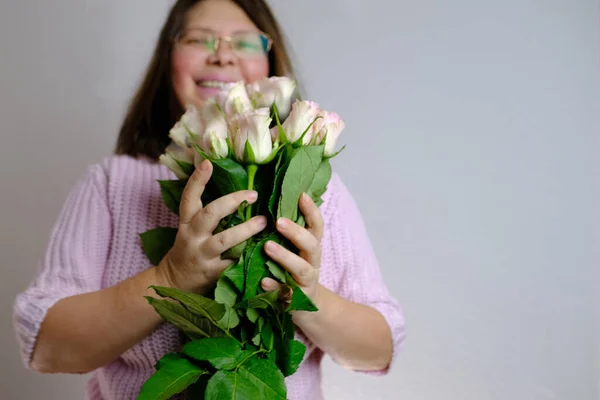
(194, 262)
(304, 267)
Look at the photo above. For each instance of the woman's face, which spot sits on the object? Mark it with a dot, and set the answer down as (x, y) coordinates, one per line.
(202, 65)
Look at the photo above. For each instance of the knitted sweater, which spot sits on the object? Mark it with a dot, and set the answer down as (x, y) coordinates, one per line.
(95, 244)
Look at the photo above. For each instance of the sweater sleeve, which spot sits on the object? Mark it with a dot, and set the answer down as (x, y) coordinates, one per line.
(74, 259)
(361, 279)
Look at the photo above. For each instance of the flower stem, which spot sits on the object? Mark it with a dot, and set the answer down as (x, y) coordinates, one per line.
(251, 168)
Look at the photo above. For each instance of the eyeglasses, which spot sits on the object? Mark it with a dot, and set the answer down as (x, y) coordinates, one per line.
(243, 44)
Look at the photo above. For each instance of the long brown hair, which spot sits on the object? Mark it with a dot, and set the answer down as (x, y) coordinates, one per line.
(154, 109)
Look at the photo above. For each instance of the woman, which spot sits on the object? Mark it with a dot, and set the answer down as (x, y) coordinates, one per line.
(86, 311)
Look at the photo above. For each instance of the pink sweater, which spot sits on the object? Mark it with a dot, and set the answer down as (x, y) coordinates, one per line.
(95, 244)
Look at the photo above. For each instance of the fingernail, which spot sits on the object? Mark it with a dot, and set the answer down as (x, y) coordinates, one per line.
(204, 166)
(283, 222)
(253, 195)
(271, 246)
(261, 221)
(265, 284)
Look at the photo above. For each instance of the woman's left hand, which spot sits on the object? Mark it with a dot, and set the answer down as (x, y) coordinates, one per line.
(304, 267)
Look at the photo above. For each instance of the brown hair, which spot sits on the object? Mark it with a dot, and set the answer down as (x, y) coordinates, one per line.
(154, 109)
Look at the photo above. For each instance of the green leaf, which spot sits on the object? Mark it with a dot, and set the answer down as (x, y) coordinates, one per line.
(252, 314)
(171, 193)
(256, 339)
(320, 182)
(289, 328)
(280, 170)
(166, 359)
(267, 336)
(174, 376)
(264, 300)
(195, 303)
(235, 274)
(272, 356)
(229, 176)
(290, 355)
(187, 168)
(157, 243)
(255, 269)
(230, 320)
(234, 252)
(255, 379)
(301, 221)
(298, 178)
(222, 353)
(257, 330)
(227, 385)
(225, 292)
(300, 301)
(179, 316)
(284, 157)
(277, 270)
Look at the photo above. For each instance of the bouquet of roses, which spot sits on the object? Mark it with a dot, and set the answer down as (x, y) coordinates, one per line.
(240, 339)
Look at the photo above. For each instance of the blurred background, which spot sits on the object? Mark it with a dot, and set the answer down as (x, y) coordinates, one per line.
(473, 130)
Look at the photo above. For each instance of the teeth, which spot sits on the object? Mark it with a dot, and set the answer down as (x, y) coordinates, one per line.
(216, 84)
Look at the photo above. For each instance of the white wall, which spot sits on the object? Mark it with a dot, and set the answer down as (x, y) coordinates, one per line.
(473, 128)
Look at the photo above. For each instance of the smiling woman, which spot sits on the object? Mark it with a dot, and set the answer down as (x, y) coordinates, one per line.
(203, 44)
(86, 311)
(218, 43)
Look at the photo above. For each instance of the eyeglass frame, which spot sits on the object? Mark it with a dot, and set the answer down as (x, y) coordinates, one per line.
(177, 37)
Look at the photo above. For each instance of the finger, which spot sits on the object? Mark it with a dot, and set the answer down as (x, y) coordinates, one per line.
(270, 284)
(233, 236)
(190, 198)
(303, 239)
(301, 270)
(207, 219)
(285, 292)
(312, 214)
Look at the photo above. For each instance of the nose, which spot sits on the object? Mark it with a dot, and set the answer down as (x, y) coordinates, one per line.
(223, 54)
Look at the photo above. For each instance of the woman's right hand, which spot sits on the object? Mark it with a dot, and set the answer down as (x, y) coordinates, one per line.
(194, 262)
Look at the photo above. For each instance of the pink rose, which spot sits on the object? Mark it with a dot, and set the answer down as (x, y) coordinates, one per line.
(328, 127)
(252, 127)
(236, 100)
(302, 115)
(276, 89)
(174, 153)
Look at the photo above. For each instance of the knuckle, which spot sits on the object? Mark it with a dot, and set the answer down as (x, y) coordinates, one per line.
(314, 245)
(238, 198)
(185, 202)
(196, 178)
(305, 272)
(204, 253)
(209, 212)
(247, 229)
(222, 240)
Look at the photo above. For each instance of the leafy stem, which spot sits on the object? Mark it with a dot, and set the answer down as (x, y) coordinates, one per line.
(249, 356)
(251, 168)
